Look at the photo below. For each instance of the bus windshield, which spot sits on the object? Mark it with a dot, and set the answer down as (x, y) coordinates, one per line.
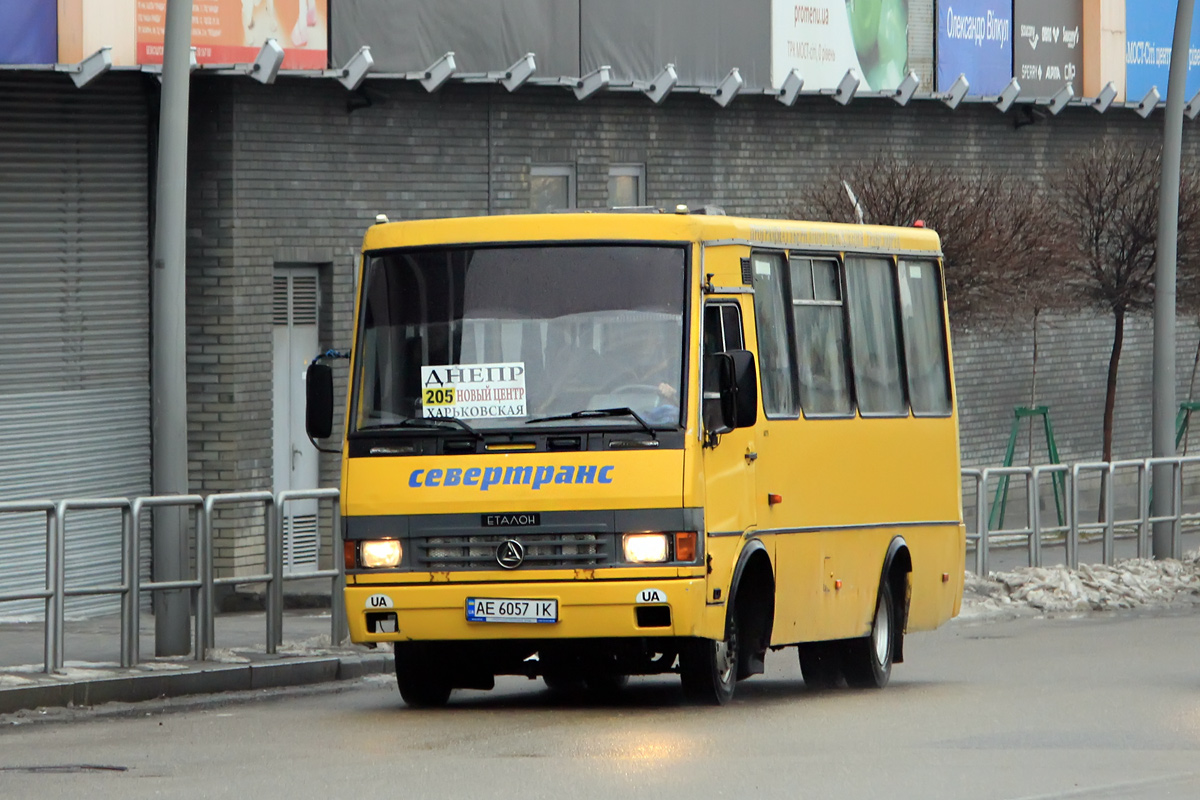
(500, 336)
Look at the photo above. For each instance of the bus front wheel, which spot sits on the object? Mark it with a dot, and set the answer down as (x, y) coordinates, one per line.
(709, 669)
(867, 662)
(422, 683)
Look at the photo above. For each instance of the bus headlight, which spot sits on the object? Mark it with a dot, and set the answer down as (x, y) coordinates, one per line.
(646, 548)
(380, 553)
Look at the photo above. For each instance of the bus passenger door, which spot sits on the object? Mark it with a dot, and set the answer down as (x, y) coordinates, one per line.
(728, 464)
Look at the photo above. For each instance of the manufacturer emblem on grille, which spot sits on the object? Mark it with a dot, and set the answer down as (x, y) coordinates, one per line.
(510, 554)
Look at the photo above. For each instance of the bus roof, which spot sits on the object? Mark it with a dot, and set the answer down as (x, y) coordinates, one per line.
(649, 227)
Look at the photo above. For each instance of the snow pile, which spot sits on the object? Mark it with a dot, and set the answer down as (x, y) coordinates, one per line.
(1133, 583)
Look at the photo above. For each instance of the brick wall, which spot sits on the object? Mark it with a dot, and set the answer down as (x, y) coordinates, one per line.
(294, 173)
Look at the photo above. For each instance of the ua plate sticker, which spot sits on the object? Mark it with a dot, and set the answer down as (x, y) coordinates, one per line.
(379, 601)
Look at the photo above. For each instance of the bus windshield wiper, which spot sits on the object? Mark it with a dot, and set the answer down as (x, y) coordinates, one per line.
(424, 422)
(595, 413)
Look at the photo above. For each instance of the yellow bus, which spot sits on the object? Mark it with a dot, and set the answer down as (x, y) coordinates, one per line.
(584, 446)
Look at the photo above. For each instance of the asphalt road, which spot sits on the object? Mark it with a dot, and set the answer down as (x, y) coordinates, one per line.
(1102, 706)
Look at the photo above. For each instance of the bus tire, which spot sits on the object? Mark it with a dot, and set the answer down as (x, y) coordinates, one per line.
(867, 662)
(820, 664)
(422, 684)
(708, 668)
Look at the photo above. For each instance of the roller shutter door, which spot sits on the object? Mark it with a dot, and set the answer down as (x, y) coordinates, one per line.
(74, 321)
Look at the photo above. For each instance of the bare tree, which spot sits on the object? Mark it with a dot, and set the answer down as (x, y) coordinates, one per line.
(896, 192)
(996, 247)
(1107, 201)
(1029, 277)
(1002, 261)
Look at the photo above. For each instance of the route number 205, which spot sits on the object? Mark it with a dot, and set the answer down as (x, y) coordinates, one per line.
(439, 397)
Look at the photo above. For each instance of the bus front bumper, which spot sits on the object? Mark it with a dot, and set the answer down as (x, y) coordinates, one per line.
(586, 610)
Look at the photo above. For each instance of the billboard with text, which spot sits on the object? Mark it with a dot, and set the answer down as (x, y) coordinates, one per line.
(823, 38)
(232, 31)
(974, 38)
(28, 32)
(1048, 46)
(1149, 34)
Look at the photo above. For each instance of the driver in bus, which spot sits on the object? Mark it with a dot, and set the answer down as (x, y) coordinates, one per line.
(647, 370)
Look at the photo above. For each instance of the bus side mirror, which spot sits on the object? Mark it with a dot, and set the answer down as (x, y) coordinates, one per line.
(730, 391)
(318, 415)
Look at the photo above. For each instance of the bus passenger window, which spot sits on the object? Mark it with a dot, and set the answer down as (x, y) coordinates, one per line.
(817, 312)
(779, 396)
(875, 336)
(924, 337)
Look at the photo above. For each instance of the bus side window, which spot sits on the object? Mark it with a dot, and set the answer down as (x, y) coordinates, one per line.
(924, 338)
(818, 315)
(779, 395)
(875, 337)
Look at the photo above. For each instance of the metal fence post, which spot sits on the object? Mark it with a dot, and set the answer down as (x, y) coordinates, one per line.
(134, 635)
(60, 568)
(1177, 522)
(1033, 498)
(129, 582)
(1073, 532)
(981, 552)
(1143, 544)
(273, 522)
(1106, 479)
(205, 626)
(51, 656)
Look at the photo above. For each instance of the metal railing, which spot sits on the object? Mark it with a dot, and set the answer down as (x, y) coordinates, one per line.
(1105, 526)
(201, 585)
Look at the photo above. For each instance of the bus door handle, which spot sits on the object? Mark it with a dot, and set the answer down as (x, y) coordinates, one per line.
(751, 455)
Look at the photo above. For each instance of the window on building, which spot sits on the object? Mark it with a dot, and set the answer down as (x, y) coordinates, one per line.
(551, 187)
(626, 185)
(819, 322)
(924, 338)
(875, 336)
(779, 395)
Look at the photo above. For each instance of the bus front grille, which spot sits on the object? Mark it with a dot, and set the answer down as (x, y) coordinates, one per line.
(541, 550)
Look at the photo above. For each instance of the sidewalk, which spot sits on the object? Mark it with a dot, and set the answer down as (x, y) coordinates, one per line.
(238, 661)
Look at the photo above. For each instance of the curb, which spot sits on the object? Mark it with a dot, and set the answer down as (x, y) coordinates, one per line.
(212, 679)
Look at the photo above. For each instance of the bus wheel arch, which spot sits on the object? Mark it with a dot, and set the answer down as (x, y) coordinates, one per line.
(710, 669)
(897, 573)
(753, 593)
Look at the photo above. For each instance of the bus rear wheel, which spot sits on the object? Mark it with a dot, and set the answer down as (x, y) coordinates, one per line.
(709, 669)
(867, 662)
(422, 682)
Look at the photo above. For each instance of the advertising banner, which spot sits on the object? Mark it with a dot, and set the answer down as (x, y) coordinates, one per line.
(1149, 34)
(1048, 46)
(974, 38)
(409, 35)
(28, 31)
(232, 31)
(824, 38)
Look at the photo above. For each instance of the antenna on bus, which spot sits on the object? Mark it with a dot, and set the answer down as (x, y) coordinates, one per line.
(858, 209)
